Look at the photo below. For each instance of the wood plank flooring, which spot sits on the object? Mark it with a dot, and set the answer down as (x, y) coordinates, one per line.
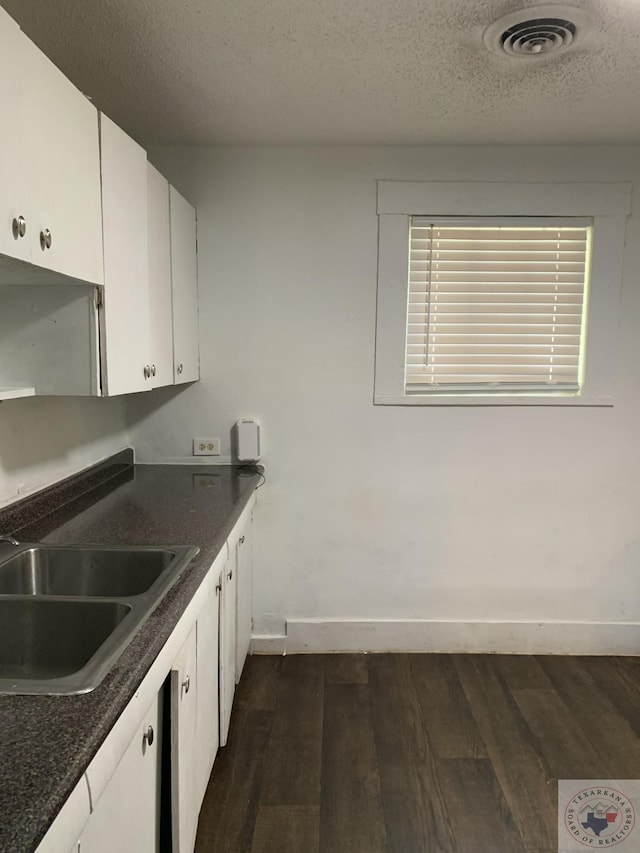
(415, 753)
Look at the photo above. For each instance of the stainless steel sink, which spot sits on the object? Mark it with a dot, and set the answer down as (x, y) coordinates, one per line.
(52, 638)
(68, 612)
(111, 572)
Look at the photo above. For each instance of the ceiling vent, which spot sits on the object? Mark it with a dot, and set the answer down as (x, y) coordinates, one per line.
(539, 31)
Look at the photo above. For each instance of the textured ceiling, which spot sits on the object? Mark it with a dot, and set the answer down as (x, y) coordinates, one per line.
(339, 71)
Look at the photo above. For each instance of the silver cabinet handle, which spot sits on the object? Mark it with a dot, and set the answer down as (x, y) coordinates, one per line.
(180, 368)
(153, 370)
(186, 684)
(147, 371)
(241, 540)
(218, 588)
(230, 575)
(19, 227)
(148, 736)
(45, 239)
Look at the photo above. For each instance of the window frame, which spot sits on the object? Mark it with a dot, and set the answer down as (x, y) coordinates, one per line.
(607, 205)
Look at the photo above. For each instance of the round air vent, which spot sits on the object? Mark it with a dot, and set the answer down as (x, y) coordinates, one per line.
(539, 31)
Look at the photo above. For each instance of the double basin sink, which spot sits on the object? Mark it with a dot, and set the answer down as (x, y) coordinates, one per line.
(68, 612)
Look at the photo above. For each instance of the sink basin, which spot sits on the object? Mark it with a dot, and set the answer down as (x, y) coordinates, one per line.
(51, 638)
(110, 572)
(68, 612)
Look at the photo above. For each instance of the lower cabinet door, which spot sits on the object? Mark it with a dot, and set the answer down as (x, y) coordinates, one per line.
(208, 627)
(126, 818)
(185, 802)
(227, 643)
(244, 565)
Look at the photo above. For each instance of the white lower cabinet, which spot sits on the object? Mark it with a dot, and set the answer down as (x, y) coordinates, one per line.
(228, 642)
(194, 721)
(207, 667)
(185, 803)
(198, 664)
(244, 571)
(127, 815)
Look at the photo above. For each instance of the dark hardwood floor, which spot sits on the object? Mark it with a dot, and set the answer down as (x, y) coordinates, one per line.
(415, 753)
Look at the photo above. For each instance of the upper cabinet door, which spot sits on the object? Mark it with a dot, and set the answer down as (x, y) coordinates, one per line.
(159, 252)
(184, 278)
(60, 143)
(14, 206)
(125, 348)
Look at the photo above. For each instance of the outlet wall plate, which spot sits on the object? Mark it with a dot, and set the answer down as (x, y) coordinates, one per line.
(206, 447)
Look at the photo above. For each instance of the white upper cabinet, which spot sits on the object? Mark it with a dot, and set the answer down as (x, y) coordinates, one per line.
(61, 140)
(80, 205)
(159, 254)
(184, 278)
(150, 312)
(49, 165)
(125, 335)
(14, 204)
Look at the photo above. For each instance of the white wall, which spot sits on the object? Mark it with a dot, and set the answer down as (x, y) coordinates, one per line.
(44, 439)
(454, 514)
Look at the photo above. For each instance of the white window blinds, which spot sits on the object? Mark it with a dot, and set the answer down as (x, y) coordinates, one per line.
(495, 307)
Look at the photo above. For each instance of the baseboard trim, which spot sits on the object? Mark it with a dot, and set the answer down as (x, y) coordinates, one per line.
(308, 636)
(268, 644)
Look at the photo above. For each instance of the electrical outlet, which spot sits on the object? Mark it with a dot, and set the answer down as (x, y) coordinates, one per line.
(206, 447)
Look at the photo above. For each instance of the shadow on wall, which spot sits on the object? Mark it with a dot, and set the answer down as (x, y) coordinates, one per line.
(160, 427)
(44, 438)
(143, 405)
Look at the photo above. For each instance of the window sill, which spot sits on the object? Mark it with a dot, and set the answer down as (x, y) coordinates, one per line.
(492, 400)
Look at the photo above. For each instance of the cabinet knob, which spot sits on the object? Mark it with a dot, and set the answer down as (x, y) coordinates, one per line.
(147, 371)
(19, 227)
(241, 540)
(153, 370)
(230, 575)
(186, 684)
(180, 368)
(148, 736)
(218, 588)
(45, 239)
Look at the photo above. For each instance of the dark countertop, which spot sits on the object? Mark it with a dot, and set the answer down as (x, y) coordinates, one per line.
(48, 741)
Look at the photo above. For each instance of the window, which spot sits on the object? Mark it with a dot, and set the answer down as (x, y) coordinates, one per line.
(497, 294)
(495, 305)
